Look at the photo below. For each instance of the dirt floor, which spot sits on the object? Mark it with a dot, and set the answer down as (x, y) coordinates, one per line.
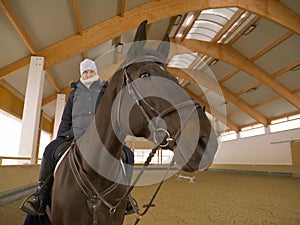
(214, 199)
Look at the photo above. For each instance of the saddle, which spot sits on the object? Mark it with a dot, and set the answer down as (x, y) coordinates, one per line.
(60, 149)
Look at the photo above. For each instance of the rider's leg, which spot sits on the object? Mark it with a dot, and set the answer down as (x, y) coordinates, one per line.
(37, 205)
(41, 197)
(128, 159)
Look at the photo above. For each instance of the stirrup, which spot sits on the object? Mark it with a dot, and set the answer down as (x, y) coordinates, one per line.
(134, 207)
(28, 208)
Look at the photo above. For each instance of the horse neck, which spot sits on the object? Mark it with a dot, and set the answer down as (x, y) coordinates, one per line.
(103, 118)
(99, 146)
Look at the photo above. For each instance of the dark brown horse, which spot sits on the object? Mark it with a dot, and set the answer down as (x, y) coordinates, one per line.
(143, 100)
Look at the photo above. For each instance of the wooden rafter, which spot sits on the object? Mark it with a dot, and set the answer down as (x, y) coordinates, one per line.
(256, 56)
(242, 31)
(260, 7)
(60, 51)
(10, 14)
(24, 36)
(213, 112)
(213, 85)
(273, 10)
(50, 77)
(181, 74)
(123, 5)
(266, 102)
(190, 25)
(230, 55)
(79, 23)
(78, 16)
(228, 25)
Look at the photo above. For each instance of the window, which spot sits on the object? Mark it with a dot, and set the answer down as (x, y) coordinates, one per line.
(182, 61)
(44, 141)
(286, 123)
(209, 23)
(141, 155)
(166, 156)
(227, 136)
(10, 132)
(253, 130)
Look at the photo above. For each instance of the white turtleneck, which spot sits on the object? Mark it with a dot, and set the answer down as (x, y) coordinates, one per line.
(88, 82)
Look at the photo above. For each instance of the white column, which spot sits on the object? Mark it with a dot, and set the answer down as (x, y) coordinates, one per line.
(32, 107)
(60, 105)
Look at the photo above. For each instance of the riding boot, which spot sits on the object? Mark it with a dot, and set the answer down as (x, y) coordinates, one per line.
(41, 197)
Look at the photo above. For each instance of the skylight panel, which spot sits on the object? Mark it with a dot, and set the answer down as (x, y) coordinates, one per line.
(182, 61)
(209, 23)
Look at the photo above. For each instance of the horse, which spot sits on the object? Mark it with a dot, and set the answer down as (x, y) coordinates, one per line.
(90, 185)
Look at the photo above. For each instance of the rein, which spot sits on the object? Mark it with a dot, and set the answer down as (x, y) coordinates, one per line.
(94, 197)
(137, 96)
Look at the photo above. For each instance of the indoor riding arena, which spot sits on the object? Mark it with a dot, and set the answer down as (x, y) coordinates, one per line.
(204, 94)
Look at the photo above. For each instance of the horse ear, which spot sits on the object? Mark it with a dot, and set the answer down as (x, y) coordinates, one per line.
(164, 46)
(141, 32)
(139, 39)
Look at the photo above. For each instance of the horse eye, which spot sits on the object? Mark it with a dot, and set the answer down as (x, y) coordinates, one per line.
(146, 74)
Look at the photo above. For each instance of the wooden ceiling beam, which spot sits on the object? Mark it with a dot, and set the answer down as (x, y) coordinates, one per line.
(12, 102)
(123, 6)
(50, 77)
(190, 25)
(243, 30)
(10, 14)
(24, 36)
(234, 19)
(205, 80)
(231, 56)
(214, 113)
(52, 97)
(14, 67)
(12, 90)
(273, 10)
(78, 16)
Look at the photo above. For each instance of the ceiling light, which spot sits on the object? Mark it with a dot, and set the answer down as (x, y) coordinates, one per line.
(120, 48)
(251, 90)
(295, 68)
(177, 20)
(214, 62)
(250, 29)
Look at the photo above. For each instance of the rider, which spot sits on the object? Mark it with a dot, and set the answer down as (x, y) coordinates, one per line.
(78, 112)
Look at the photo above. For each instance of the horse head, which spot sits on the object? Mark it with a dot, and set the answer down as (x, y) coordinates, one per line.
(158, 109)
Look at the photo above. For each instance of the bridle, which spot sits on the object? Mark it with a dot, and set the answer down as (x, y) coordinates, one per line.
(168, 141)
(94, 197)
(140, 101)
